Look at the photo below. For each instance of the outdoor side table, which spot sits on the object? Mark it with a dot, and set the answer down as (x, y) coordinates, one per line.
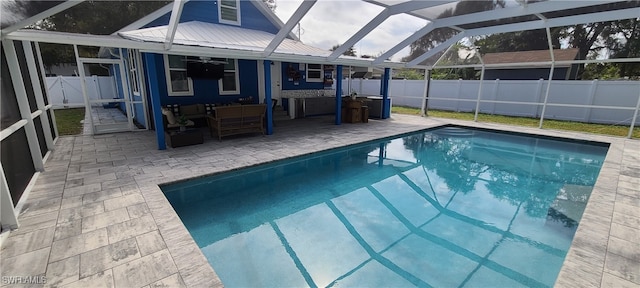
(183, 138)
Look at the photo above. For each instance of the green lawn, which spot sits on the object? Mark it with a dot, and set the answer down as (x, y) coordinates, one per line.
(615, 130)
(68, 121)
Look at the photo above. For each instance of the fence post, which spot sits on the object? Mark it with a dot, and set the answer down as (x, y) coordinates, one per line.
(495, 96)
(539, 94)
(546, 96)
(96, 85)
(633, 120)
(458, 90)
(425, 99)
(592, 94)
(64, 96)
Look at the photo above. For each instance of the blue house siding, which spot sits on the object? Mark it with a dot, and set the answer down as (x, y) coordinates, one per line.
(253, 19)
(525, 74)
(207, 11)
(205, 90)
(289, 83)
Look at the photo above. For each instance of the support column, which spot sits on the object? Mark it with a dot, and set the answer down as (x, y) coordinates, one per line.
(425, 99)
(475, 117)
(386, 105)
(154, 93)
(338, 94)
(37, 90)
(267, 95)
(553, 66)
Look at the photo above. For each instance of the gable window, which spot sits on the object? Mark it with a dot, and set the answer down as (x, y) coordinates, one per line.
(229, 11)
(134, 76)
(314, 73)
(230, 83)
(178, 84)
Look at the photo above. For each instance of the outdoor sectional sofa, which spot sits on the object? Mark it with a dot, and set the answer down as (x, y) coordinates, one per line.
(194, 112)
(237, 119)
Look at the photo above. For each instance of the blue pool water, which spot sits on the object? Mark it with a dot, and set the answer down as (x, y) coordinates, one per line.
(449, 207)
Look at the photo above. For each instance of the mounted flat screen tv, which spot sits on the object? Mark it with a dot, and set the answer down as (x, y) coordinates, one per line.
(199, 70)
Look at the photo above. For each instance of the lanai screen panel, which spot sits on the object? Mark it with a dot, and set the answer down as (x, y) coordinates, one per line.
(10, 112)
(428, 42)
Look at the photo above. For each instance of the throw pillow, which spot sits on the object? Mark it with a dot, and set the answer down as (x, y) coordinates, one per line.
(170, 117)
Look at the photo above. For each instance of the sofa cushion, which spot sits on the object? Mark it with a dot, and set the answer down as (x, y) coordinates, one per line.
(192, 109)
(175, 125)
(175, 108)
(170, 117)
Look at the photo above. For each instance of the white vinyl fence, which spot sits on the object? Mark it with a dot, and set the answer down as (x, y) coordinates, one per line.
(568, 100)
(65, 91)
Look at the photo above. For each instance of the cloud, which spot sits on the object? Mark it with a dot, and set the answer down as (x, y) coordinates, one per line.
(330, 22)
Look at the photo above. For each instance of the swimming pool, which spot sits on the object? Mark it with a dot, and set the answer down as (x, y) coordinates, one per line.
(446, 207)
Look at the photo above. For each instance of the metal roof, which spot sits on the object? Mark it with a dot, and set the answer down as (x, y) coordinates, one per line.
(202, 34)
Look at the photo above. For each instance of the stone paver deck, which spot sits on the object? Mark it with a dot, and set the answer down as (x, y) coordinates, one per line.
(96, 216)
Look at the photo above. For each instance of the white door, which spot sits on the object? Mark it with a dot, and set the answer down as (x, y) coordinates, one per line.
(112, 111)
(276, 80)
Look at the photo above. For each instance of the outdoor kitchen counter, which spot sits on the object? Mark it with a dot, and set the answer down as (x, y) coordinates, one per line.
(300, 107)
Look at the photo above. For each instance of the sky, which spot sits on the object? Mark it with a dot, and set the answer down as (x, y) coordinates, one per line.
(332, 22)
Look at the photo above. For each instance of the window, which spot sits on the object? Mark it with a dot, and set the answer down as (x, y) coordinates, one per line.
(314, 73)
(134, 77)
(178, 84)
(229, 12)
(230, 83)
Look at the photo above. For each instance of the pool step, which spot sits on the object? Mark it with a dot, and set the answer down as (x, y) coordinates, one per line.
(571, 201)
(453, 132)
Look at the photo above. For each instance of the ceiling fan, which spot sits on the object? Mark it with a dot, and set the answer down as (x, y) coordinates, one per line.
(208, 60)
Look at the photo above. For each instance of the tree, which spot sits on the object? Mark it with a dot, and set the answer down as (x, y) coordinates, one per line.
(517, 41)
(437, 36)
(102, 17)
(625, 44)
(92, 17)
(349, 52)
(602, 71)
(619, 39)
(409, 74)
(271, 4)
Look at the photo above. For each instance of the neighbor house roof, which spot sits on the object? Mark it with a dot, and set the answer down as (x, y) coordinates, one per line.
(202, 34)
(533, 56)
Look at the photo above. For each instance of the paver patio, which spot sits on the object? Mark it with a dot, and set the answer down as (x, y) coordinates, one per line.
(96, 216)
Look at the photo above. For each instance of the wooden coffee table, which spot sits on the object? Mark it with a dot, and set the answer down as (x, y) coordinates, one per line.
(176, 138)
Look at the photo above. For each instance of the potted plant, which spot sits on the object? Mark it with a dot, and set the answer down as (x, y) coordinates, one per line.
(182, 121)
